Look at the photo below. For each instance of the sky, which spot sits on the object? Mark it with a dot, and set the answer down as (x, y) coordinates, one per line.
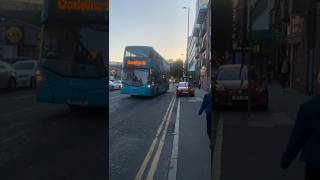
(161, 24)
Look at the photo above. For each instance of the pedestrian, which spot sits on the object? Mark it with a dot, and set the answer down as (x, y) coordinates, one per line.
(305, 137)
(284, 73)
(207, 107)
(199, 85)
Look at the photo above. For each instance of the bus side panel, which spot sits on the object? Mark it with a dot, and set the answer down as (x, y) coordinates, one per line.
(85, 92)
(141, 91)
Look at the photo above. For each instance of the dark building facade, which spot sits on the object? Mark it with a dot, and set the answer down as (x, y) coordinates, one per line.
(19, 39)
(303, 51)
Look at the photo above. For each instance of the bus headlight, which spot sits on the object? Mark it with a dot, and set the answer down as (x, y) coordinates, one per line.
(39, 77)
(149, 86)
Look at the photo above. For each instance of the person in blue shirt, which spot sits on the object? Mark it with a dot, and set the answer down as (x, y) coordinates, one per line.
(207, 107)
(305, 137)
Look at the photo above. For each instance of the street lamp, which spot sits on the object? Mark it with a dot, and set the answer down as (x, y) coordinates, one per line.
(188, 8)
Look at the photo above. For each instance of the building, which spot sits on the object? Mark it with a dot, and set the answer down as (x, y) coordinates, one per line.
(199, 45)
(303, 45)
(259, 37)
(115, 70)
(279, 21)
(191, 57)
(20, 29)
(19, 39)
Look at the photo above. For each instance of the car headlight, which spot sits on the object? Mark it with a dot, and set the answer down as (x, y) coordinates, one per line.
(39, 76)
(149, 86)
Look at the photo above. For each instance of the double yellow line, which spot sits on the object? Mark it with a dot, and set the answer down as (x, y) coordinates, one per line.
(163, 128)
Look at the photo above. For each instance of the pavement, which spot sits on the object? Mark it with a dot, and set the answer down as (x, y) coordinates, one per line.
(157, 138)
(46, 141)
(250, 147)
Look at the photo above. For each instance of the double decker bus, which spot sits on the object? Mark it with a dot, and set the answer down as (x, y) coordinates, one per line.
(73, 53)
(145, 72)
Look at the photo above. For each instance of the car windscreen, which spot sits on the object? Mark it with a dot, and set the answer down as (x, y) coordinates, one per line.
(24, 66)
(183, 84)
(231, 73)
(76, 50)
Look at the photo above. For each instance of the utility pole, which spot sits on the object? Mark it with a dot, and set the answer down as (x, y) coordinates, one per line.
(186, 64)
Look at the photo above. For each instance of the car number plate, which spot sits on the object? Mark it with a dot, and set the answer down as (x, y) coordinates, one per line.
(239, 98)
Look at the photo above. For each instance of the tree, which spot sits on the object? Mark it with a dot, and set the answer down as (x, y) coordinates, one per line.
(176, 68)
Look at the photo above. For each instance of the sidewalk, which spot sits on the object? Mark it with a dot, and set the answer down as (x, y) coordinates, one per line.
(252, 147)
(194, 159)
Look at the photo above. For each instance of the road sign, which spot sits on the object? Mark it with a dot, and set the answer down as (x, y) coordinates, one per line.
(113, 72)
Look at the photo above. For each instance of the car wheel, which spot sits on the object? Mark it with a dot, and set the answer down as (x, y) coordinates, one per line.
(33, 83)
(12, 84)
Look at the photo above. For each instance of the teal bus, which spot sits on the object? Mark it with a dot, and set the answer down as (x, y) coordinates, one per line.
(145, 72)
(74, 53)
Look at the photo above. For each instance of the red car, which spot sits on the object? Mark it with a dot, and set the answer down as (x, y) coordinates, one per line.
(231, 87)
(184, 89)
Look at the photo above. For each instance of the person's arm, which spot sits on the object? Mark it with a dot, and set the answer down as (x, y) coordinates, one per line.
(204, 104)
(298, 138)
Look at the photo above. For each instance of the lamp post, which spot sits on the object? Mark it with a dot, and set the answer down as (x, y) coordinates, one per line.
(188, 8)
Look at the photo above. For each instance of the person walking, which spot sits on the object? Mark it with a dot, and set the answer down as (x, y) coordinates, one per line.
(305, 137)
(207, 107)
(284, 73)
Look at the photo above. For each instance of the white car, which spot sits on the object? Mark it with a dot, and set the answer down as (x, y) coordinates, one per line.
(7, 76)
(117, 84)
(25, 73)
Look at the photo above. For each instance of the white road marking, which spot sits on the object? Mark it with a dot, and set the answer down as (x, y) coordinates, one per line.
(154, 142)
(172, 175)
(218, 151)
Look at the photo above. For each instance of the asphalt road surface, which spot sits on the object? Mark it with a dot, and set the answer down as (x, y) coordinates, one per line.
(45, 141)
(250, 147)
(142, 133)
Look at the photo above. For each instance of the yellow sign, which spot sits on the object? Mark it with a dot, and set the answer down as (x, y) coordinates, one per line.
(113, 72)
(14, 35)
(139, 63)
(83, 5)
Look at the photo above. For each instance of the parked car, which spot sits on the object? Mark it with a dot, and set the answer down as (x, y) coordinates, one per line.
(117, 84)
(25, 73)
(231, 87)
(111, 87)
(184, 89)
(7, 76)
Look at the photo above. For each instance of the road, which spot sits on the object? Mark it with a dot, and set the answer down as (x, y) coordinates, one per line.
(251, 147)
(45, 141)
(144, 142)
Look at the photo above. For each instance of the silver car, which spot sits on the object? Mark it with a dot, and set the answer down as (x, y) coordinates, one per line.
(25, 73)
(7, 76)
